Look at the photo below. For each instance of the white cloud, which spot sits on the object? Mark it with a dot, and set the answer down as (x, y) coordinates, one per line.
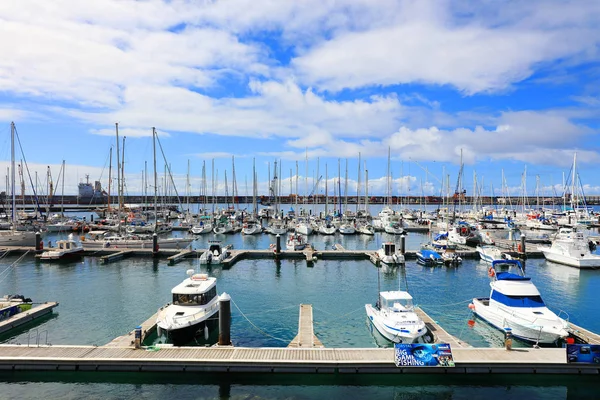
(128, 132)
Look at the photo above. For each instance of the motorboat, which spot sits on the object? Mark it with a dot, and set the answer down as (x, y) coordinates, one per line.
(395, 318)
(295, 242)
(13, 304)
(451, 257)
(489, 253)
(65, 250)
(516, 303)
(194, 310)
(571, 247)
(429, 258)
(215, 254)
(389, 255)
(464, 234)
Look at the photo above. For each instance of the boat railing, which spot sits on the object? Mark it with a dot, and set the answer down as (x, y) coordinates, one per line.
(561, 312)
(195, 316)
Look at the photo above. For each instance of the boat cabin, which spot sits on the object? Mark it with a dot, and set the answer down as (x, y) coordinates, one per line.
(198, 290)
(215, 249)
(389, 248)
(396, 301)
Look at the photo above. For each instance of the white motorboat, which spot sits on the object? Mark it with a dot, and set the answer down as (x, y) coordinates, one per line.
(215, 253)
(489, 253)
(429, 258)
(516, 303)
(464, 234)
(571, 247)
(389, 255)
(450, 256)
(65, 250)
(194, 311)
(295, 242)
(395, 318)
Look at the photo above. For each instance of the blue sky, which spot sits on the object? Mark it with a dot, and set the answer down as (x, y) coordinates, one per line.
(515, 85)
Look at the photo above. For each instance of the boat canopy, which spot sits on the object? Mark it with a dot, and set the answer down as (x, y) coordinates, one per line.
(395, 295)
(526, 301)
(509, 276)
(195, 285)
(430, 254)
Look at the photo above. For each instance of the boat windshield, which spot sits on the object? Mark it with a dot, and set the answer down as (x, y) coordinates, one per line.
(518, 301)
(195, 299)
(399, 305)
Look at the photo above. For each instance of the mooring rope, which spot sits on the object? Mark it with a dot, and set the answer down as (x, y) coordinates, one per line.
(12, 265)
(445, 305)
(338, 317)
(257, 328)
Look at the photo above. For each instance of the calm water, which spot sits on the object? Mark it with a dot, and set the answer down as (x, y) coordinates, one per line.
(99, 302)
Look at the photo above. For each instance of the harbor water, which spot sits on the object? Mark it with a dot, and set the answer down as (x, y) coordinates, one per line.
(99, 302)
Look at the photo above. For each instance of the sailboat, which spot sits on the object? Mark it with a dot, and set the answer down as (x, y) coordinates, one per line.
(101, 239)
(14, 237)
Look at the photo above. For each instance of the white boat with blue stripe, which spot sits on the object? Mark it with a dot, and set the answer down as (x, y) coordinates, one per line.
(516, 303)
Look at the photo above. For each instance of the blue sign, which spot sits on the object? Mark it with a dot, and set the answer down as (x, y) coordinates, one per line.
(583, 353)
(423, 355)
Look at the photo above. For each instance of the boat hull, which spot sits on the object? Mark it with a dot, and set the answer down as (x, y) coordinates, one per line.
(396, 335)
(501, 319)
(188, 334)
(589, 261)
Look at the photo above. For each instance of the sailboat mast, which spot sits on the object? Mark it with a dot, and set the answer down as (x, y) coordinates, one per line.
(155, 179)
(109, 175)
(62, 201)
(12, 176)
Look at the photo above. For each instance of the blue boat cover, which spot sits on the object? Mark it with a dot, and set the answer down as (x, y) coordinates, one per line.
(509, 276)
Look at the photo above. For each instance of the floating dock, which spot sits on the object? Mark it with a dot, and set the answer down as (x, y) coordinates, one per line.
(23, 317)
(305, 354)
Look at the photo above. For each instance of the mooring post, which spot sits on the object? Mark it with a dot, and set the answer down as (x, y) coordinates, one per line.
(154, 245)
(138, 337)
(38, 241)
(523, 249)
(508, 338)
(224, 320)
(402, 244)
(278, 244)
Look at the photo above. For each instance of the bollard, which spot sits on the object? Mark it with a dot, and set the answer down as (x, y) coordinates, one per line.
(224, 320)
(91, 217)
(402, 244)
(38, 241)
(523, 249)
(510, 235)
(138, 337)
(508, 338)
(154, 244)
(278, 244)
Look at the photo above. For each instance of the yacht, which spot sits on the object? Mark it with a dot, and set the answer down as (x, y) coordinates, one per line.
(215, 253)
(303, 227)
(395, 318)
(572, 248)
(347, 228)
(201, 228)
(516, 303)
(394, 228)
(365, 228)
(389, 255)
(193, 312)
(251, 228)
(326, 227)
(65, 249)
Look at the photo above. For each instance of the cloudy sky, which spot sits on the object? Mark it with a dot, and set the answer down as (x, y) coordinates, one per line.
(514, 85)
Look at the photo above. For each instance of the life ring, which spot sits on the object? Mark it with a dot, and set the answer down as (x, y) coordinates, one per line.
(491, 272)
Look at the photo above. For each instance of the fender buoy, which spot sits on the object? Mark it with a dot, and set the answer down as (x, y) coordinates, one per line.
(491, 272)
(519, 248)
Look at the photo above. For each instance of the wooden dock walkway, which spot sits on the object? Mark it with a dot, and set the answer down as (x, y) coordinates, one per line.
(115, 256)
(440, 334)
(589, 336)
(127, 340)
(27, 316)
(306, 334)
(281, 360)
(174, 259)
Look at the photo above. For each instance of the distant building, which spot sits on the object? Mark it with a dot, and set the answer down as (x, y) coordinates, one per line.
(88, 194)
